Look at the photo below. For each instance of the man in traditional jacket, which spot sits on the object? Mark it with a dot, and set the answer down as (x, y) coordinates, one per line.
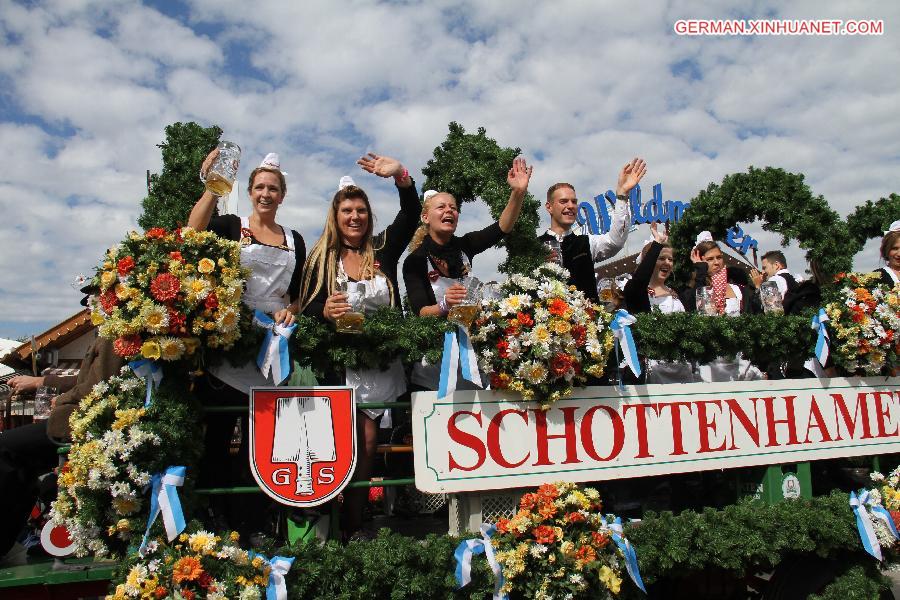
(581, 252)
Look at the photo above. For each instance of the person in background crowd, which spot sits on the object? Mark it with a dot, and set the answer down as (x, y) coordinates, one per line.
(730, 296)
(774, 268)
(647, 291)
(890, 253)
(439, 262)
(580, 252)
(274, 255)
(29, 451)
(348, 251)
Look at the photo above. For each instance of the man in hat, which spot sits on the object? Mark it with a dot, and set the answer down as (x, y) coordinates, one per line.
(29, 451)
(581, 252)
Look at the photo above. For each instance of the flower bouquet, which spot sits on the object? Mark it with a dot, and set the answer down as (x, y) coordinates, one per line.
(542, 336)
(163, 294)
(887, 495)
(558, 546)
(864, 319)
(198, 565)
(118, 444)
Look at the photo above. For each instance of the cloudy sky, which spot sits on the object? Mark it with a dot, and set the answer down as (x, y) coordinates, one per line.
(580, 86)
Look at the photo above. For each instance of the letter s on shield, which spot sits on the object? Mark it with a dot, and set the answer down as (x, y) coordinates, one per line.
(302, 442)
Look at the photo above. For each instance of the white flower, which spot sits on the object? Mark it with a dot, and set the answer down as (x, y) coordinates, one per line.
(537, 550)
(250, 593)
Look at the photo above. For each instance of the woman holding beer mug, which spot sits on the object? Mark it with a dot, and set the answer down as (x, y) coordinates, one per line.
(275, 256)
(439, 262)
(351, 272)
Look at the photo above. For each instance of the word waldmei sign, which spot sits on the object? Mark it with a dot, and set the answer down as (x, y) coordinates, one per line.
(302, 442)
(488, 440)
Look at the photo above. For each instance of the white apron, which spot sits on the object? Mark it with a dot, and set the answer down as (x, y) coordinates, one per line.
(271, 269)
(891, 274)
(668, 371)
(374, 385)
(426, 374)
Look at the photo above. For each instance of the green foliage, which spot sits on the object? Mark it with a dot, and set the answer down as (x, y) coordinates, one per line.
(387, 335)
(863, 581)
(872, 219)
(472, 166)
(762, 338)
(785, 204)
(175, 191)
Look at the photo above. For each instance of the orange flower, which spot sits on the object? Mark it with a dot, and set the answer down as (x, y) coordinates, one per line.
(574, 517)
(528, 501)
(186, 568)
(586, 554)
(558, 307)
(547, 510)
(161, 592)
(544, 534)
(548, 491)
(187, 594)
(503, 525)
(599, 539)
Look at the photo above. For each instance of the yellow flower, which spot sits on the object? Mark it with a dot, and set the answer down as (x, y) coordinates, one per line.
(97, 318)
(171, 348)
(609, 578)
(126, 506)
(150, 349)
(123, 525)
(234, 536)
(154, 317)
(206, 265)
(127, 417)
(107, 278)
(559, 326)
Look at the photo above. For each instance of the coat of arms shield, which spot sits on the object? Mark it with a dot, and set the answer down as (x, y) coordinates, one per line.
(302, 442)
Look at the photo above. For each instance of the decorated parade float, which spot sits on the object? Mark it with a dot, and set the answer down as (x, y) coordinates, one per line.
(613, 488)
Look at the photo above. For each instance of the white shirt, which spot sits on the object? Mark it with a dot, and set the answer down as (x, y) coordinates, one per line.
(781, 282)
(606, 245)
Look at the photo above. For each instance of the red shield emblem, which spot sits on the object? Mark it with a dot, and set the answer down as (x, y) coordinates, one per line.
(302, 442)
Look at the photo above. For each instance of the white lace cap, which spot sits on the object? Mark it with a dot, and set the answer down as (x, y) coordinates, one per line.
(895, 226)
(703, 236)
(428, 194)
(346, 181)
(271, 161)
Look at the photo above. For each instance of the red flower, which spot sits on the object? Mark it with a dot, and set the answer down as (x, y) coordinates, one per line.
(512, 330)
(503, 348)
(212, 302)
(548, 491)
(177, 321)
(574, 517)
(109, 301)
(599, 539)
(176, 255)
(580, 334)
(544, 534)
(586, 554)
(205, 580)
(499, 381)
(165, 287)
(155, 233)
(125, 265)
(161, 592)
(187, 594)
(128, 345)
(524, 319)
(558, 307)
(560, 364)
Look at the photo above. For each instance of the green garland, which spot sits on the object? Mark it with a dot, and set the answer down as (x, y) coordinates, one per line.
(779, 198)
(386, 335)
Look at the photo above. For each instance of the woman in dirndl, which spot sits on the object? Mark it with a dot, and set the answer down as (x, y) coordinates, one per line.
(890, 253)
(274, 255)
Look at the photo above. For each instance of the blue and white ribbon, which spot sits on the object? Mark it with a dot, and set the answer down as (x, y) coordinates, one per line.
(151, 372)
(274, 356)
(621, 329)
(164, 499)
(458, 351)
(279, 567)
(469, 548)
(864, 524)
(818, 323)
(618, 537)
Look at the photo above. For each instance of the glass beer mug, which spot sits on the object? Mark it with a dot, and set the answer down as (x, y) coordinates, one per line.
(223, 172)
(352, 320)
(705, 303)
(771, 297)
(464, 313)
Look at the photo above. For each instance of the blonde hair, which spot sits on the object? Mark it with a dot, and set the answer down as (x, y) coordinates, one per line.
(277, 172)
(423, 230)
(322, 261)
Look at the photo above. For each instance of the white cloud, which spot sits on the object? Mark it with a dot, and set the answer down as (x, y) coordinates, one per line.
(581, 87)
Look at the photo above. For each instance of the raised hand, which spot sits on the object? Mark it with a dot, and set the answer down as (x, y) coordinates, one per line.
(695, 256)
(630, 175)
(383, 166)
(519, 175)
(208, 162)
(660, 236)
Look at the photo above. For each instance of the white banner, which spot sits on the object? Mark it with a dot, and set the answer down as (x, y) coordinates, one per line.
(484, 440)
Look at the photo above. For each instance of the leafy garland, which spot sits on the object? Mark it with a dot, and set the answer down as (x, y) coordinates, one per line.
(786, 205)
(872, 219)
(736, 539)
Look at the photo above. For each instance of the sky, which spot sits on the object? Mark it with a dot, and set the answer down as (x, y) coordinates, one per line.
(87, 88)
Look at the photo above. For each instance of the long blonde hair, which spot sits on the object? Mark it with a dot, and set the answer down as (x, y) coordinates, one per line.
(321, 265)
(423, 230)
